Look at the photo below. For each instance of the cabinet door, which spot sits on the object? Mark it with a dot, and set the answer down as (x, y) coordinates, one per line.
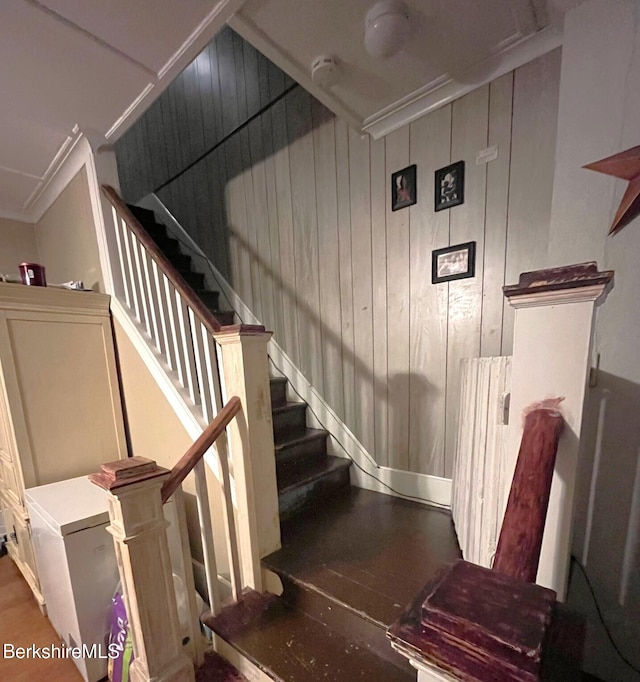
(10, 481)
(19, 543)
(63, 390)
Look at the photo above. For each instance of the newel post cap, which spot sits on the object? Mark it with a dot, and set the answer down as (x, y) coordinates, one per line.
(566, 284)
(122, 472)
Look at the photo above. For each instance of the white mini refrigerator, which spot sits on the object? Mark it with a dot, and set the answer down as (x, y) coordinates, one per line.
(76, 565)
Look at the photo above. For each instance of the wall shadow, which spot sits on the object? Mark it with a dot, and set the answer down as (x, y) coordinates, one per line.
(607, 515)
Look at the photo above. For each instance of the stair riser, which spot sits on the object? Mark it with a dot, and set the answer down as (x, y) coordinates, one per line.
(312, 492)
(210, 298)
(144, 215)
(278, 392)
(292, 418)
(194, 279)
(312, 448)
(344, 621)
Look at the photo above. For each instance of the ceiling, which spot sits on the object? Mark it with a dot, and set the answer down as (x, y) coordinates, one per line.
(93, 66)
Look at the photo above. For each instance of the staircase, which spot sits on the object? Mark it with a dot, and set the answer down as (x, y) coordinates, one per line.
(350, 559)
(305, 472)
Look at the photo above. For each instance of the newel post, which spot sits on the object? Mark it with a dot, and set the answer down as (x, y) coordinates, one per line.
(554, 319)
(139, 533)
(243, 360)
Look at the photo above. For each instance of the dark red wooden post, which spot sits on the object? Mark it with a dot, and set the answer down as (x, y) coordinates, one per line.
(518, 552)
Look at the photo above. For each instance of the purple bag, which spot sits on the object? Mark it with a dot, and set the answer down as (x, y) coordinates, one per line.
(120, 645)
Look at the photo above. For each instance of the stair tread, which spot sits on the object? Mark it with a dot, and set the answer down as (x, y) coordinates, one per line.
(289, 405)
(294, 477)
(296, 436)
(290, 645)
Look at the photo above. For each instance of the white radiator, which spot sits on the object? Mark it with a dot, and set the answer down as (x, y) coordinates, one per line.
(480, 488)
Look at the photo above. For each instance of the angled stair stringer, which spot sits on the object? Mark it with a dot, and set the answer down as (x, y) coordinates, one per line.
(342, 442)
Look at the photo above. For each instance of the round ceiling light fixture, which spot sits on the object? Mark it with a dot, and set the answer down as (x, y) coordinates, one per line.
(386, 28)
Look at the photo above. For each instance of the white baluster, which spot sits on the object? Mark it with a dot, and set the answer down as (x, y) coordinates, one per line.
(152, 298)
(163, 316)
(206, 533)
(141, 283)
(170, 297)
(133, 275)
(120, 227)
(187, 349)
(201, 368)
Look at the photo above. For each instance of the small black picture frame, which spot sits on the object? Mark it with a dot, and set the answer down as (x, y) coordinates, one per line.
(403, 188)
(449, 186)
(453, 262)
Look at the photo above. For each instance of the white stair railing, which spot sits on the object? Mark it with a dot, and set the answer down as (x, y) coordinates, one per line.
(181, 332)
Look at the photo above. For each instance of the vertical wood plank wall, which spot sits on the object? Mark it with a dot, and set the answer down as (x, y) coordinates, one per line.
(295, 211)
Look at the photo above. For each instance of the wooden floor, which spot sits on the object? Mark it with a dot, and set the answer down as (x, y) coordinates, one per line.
(22, 624)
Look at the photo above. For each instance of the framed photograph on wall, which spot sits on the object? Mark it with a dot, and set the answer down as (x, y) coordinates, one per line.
(403, 188)
(453, 262)
(449, 186)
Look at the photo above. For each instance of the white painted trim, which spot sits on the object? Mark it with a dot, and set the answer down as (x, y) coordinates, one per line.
(158, 371)
(68, 161)
(594, 292)
(436, 95)
(431, 489)
(20, 216)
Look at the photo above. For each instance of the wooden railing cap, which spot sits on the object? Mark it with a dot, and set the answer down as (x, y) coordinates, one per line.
(123, 472)
(556, 279)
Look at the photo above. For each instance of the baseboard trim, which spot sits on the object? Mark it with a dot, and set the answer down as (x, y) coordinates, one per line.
(366, 473)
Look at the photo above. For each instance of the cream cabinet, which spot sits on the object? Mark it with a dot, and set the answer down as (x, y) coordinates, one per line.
(60, 409)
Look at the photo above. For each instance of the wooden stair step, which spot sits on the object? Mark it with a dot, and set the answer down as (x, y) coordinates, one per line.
(144, 215)
(210, 298)
(224, 317)
(305, 444)
(278, 386)
(180, 261)
(371, 553)
(194, 279)
(290, 417)
(301, 487)
(288, 645)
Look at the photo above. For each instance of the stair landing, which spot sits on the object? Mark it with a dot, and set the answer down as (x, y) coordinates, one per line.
(369, 551)
(349, 566)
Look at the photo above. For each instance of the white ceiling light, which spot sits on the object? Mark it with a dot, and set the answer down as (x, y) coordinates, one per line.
(386, 28)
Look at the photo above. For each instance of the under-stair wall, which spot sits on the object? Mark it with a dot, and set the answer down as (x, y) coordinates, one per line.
(294, 210)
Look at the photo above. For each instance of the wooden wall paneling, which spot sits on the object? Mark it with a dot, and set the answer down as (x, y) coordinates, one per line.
(198, 177)
(430, 150)
(469, 126)
(228, 86)
(397, 158)
(250, 236)
(241, 83)
(285, 228)
(162, 161)
(345, 268)
(276, 80)
(193, 92)
(266, 121)
(140, 177)
(379, 197)
(150, 134)
(235, 204)
(216, 94)
(262, 262)
(251, 78)
(533, 144)
(205, 88)
(324, 154)
(217, 240)
(500, 106)
(180, 117)
(305, 223)
(263, 80)
(168, 141)
(360, 191)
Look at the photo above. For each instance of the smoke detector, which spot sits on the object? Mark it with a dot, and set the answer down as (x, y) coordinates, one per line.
(325, 71)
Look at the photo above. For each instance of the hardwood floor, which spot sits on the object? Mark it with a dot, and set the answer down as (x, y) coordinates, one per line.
(22, 624)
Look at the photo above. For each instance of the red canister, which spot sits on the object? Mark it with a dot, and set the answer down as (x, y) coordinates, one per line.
(33, 274)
